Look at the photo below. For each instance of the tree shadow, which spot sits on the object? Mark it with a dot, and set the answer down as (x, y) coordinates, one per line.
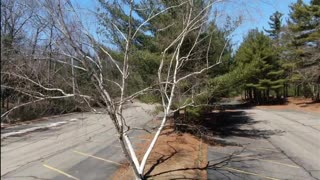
(161, 160)
(234, 123)
(216, 126)
(224, 161)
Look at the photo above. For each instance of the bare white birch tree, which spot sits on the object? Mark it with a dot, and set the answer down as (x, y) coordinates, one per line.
(80, 46)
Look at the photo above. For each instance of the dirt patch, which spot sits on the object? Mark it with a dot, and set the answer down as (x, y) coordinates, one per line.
(300, 104)
(176, 156)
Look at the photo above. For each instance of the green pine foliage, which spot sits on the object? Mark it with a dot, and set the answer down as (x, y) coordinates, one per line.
(263, 66)
(257, 70)
(266, 67)
(156, 35)
(275, 24)
(303, 48)
(266, 73)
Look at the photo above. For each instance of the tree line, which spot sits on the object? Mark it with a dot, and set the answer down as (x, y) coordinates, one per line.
(269, 65)
(33, 55)
(281, 61)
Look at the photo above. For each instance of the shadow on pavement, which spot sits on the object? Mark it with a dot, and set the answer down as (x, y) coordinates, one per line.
(217, 126)
(217, 164)
(215, 129)
(234, 123)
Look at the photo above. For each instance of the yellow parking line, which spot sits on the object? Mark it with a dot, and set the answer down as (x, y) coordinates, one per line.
(59, 171)
(88, 155)
(265, 160)
(251, 173)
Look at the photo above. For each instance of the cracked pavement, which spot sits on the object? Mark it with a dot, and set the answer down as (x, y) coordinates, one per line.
(84, 148)
(272, 144)
(253, 144)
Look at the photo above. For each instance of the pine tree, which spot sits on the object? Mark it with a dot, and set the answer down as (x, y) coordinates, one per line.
(262, 72)
(274, 32)
(275, 25)
(159, 32)
(304, 25)
(305, 22)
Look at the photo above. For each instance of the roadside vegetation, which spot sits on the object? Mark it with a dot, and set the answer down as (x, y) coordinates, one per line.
(280, 62)
(169, 52)
(268, 66)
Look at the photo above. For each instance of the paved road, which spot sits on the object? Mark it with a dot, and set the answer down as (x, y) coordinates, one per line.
(266, 144)
(85, 148)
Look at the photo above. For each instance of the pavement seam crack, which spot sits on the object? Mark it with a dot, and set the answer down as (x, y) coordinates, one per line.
(297, 121)
(311, 175)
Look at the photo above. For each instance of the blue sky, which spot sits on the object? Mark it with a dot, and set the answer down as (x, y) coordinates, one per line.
(256, 13)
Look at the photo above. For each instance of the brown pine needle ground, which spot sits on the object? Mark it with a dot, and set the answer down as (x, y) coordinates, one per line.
(176, 156)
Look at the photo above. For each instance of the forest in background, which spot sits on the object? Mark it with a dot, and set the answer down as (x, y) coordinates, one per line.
(283, 60)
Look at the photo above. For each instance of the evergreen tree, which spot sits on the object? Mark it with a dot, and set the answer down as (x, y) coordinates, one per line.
(305, 22)
(262, 70)
(304, 25)
(275, 25)
(274, 32)
(158, 33)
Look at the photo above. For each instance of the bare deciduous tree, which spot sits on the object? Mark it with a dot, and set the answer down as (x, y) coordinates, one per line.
(74, 42)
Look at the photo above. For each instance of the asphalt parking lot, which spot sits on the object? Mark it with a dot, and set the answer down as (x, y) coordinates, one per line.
(265, 144)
